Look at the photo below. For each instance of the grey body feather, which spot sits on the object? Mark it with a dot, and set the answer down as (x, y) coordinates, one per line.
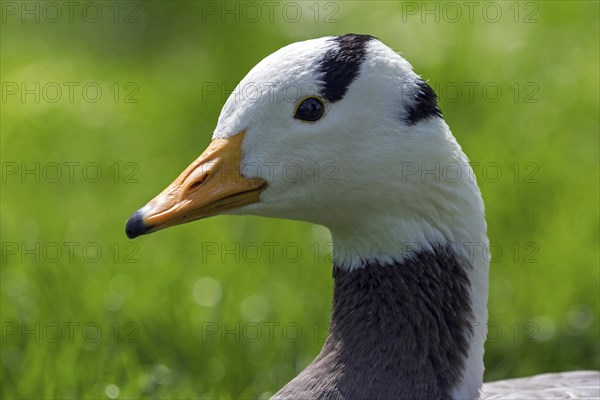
(398, 331)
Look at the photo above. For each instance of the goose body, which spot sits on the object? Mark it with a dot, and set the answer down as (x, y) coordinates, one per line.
(403, 210)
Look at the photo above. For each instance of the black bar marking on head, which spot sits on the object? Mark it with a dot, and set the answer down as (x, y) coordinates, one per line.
(424, 104)
(340, 65)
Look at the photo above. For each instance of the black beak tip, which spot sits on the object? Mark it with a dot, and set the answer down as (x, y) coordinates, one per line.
(135, 225)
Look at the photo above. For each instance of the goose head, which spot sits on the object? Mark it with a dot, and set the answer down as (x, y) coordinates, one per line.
(339, 131)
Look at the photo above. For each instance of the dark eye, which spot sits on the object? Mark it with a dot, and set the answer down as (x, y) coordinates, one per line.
(310, 110)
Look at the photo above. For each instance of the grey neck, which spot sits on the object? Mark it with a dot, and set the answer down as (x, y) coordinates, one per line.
(399, 331)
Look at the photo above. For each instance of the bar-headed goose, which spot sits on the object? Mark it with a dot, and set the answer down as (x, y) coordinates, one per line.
(403, 209)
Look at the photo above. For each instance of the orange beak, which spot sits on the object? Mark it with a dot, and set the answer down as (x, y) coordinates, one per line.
(212, 184)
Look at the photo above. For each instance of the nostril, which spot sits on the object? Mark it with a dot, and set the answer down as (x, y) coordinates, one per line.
(197, 184)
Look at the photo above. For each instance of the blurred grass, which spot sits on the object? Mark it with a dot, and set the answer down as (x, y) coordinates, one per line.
(544, 286)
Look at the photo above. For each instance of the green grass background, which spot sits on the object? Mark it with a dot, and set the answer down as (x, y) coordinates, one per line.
(544, 287)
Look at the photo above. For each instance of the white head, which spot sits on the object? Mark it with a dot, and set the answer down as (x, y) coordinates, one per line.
(380, 167)
(380, 162)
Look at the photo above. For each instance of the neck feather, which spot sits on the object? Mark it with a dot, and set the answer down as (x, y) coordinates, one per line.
(399, 330)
